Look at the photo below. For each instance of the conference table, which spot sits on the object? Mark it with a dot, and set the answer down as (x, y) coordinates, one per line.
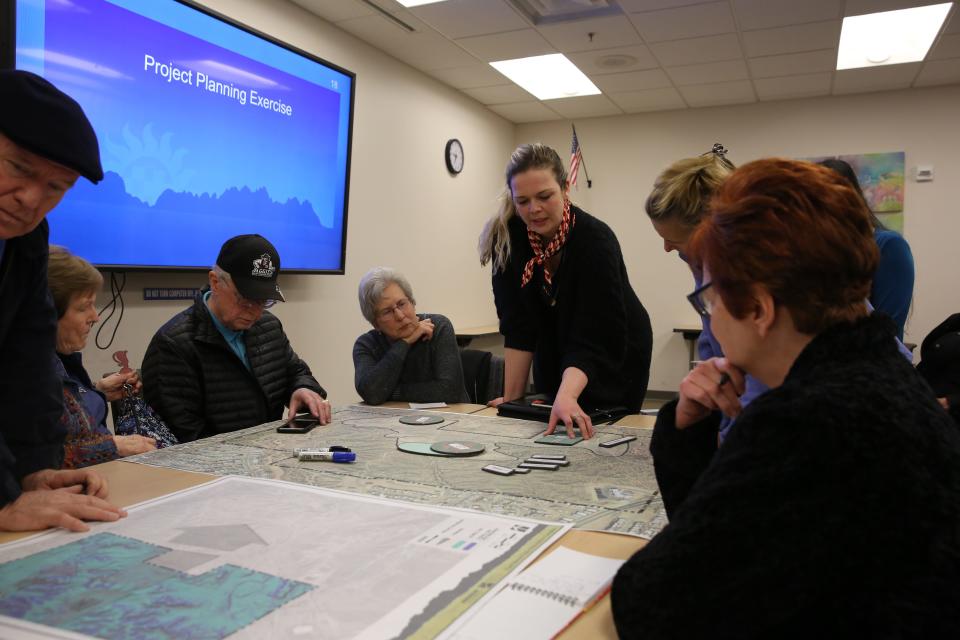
(132, 483)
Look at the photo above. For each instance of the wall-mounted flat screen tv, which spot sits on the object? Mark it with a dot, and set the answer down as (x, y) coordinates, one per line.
(207, 130)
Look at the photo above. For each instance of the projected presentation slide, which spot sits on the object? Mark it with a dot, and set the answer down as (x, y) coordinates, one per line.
(206, 131)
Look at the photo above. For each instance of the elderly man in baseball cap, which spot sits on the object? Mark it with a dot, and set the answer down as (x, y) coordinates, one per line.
(225, 363)
(46, 144)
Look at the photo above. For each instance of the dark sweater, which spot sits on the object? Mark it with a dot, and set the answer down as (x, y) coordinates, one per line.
(597, 323)
(940, 362)
(31, 436)
(831, 510)
(423, 372)
(200, 387)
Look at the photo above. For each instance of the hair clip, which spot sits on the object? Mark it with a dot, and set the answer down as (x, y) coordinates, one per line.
(717, 150)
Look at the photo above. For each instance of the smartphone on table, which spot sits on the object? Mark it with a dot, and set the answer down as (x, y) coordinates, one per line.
(301, 423)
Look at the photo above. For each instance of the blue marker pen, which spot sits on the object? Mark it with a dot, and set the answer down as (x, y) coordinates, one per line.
(327, 456)
(335, 447)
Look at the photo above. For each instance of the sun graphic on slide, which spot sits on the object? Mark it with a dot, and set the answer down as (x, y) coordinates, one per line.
(148, 165)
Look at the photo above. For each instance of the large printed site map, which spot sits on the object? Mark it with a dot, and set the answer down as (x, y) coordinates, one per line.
(245, 558)
(602, 489)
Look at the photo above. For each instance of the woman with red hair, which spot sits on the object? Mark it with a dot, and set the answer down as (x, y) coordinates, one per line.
(833, 509)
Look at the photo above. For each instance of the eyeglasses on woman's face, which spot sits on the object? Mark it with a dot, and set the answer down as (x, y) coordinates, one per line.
(401, 307)
(700, 302)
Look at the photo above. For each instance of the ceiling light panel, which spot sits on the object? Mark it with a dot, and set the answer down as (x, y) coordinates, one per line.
(890, 37)
(547, 77)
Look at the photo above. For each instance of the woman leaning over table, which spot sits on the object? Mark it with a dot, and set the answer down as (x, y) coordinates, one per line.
(833, 508)
(564, 301)
(405, 356)
(676, 207)
(74, 284)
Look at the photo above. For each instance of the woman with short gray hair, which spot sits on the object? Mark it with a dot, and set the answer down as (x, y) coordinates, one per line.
(406, 356)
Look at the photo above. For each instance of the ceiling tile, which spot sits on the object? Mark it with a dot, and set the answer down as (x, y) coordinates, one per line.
(804, 37)
(649, 100)
(719, 93)
(891, 76)
(953, 23)
(803, 86)
(503, 94)
(764, 14)
(710, 72)
(634, 81)
(633, 6)
(336, 11)
(525, 112)
(697, 50)
(429, 50)
(382, 33)
(464, 18)
(793, 63)
(480, 74)
(939, 72)
(946, 47)
(612, 31)
(860, 7)
(614, 60)
(585, 107)
(684, 22)
(507, 46)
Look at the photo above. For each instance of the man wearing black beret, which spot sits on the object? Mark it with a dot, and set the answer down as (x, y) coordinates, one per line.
(46, 144)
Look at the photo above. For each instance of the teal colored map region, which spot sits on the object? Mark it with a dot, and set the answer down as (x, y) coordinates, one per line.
(105, 586)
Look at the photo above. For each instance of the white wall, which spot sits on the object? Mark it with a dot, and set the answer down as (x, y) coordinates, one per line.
(404, 209)
(625, 153)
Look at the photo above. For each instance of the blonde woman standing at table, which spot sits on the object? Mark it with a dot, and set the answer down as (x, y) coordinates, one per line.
(676, 207)
(563, 297)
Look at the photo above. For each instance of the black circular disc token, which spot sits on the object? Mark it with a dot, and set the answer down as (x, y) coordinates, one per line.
(458, 448)
(421, 419)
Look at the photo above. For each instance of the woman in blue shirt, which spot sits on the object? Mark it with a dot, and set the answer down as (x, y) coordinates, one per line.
(892, 288)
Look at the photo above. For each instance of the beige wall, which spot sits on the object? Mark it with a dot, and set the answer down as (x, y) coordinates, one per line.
(625, 153)
(406, 211)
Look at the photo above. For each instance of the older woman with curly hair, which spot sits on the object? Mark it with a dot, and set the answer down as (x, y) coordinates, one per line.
(833, 507)
(74, 284)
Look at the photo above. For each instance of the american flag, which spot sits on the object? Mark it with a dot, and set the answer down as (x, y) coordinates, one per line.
(576, 157)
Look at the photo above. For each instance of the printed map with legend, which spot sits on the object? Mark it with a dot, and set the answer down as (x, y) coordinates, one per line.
(246, 558)
(601, 489)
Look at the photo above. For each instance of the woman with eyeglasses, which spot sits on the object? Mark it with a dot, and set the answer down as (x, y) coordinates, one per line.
(406, 356)
(676, 207)
(563, 297)
(74, 284)
(832, 509)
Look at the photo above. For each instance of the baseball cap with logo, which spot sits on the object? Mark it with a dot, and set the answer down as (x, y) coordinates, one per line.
(254, 266)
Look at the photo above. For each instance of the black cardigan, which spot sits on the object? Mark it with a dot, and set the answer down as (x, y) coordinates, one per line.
(597, 324)
(831, 510)
(31, 436)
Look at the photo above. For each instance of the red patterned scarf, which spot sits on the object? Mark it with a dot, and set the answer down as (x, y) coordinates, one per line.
(541, 255)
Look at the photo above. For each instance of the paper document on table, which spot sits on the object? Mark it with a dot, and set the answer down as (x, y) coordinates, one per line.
(427, 405)
(543, 600)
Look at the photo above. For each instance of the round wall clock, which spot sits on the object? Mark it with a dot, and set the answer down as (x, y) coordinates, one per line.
(454, 156)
